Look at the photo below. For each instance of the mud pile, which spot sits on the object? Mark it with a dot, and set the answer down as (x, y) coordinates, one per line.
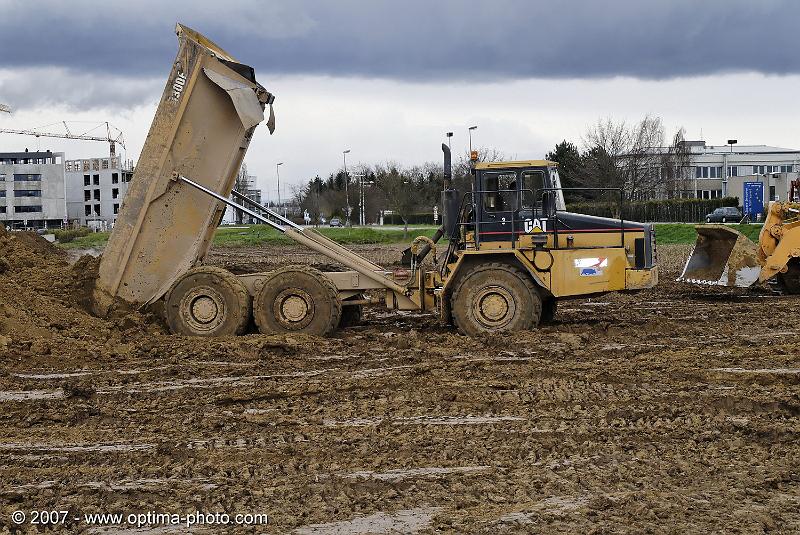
(46, 298)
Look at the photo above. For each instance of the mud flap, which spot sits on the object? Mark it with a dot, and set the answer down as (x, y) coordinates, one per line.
(722, 256)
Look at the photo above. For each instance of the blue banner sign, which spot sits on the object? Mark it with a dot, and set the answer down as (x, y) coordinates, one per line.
(753, 195)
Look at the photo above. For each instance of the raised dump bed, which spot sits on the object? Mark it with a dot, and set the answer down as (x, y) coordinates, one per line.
(202, 128)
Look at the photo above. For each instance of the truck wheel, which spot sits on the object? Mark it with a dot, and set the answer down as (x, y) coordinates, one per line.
(351, 314)
(207, 301)
(790, 281)
(297, 299)
(496, 297)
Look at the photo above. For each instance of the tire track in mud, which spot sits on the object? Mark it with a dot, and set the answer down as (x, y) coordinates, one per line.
(664, 408)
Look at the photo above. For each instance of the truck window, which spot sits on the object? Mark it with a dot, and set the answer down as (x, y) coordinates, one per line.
(500, 190)
(532, 184)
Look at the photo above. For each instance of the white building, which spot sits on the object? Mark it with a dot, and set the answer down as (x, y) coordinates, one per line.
(722, 170)
(95, 189)
(249, 190)
(32, 189)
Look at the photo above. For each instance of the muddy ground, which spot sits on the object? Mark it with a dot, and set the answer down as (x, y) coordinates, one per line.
(672, 410)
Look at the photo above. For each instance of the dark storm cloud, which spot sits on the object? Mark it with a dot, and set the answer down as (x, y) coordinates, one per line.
(414, 40)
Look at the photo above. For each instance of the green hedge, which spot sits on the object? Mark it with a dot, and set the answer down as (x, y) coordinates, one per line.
(666, 211)
(66, 236)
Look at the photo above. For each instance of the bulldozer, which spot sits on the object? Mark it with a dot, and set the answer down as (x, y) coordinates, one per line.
(723, 256)
(512, 250)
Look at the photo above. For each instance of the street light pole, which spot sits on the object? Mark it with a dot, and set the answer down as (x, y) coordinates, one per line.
(449, 135)
(346, 191)
(278, 172)
(471, 128)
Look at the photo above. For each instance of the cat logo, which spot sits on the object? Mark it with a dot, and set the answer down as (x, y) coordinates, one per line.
(535, 225)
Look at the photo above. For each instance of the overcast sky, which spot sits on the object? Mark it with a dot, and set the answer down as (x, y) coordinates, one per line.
(387, 79)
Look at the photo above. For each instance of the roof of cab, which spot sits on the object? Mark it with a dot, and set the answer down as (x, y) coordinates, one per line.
(515, 164)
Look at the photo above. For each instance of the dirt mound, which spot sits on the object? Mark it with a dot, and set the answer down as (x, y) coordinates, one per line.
(42, 294)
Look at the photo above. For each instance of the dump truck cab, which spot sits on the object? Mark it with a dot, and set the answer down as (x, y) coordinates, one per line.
(511, 192)
(515, 249)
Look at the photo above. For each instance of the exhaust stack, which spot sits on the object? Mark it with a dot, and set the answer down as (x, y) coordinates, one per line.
(449, 208)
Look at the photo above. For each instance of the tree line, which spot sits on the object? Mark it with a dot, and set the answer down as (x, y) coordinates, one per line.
(402, 190)
(634, 158)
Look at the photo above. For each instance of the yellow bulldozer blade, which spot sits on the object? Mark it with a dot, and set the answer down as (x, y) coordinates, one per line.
(721, 256)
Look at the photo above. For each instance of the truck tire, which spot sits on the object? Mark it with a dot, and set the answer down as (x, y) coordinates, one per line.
(790, 281)
(496, 297)
(297, 299)
(207, 301)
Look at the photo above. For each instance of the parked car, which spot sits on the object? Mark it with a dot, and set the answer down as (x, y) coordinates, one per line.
(336, 222)
(726, 214)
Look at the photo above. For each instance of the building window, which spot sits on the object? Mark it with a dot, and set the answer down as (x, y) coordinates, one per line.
(96, 180)
(767, 169)
(2, 209)
(27, 193)
(115, 178)
(772, 193)
(27, 209)
(97, 209)
(87, 210)
(105, 164)
(786, 168)
(27, 178)
(2, 177)
(87, 180)
(708, 172)
(97, 194)
(114, 193)
(2, 193)
(733, 170)
(116, 208)
(87, 195)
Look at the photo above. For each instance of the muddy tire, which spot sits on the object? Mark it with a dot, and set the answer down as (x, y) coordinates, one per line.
(549, 310)
(790, 281)
(207, 301)
(496, 297)
(297, 299)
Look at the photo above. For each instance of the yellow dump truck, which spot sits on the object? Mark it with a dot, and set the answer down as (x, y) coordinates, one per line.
(512, 249)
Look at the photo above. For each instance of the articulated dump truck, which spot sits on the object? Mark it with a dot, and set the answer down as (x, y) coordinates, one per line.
(512, 249)
(723, 256)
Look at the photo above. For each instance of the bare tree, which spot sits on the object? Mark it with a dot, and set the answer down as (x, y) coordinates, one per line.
(630, 157)
(398, 186)
(676, 167)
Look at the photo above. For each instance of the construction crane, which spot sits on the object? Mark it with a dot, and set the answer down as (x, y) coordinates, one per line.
(113, 135)
(5, 107)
